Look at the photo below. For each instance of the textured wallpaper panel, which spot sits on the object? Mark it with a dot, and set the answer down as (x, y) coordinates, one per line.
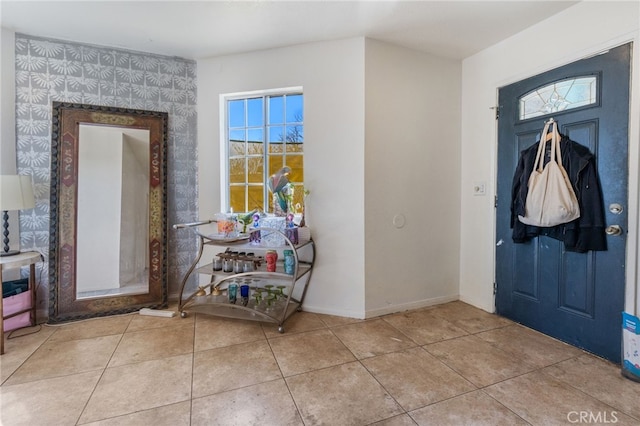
(51, 70)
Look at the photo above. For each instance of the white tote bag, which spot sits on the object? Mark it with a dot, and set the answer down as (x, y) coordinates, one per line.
(550, 200)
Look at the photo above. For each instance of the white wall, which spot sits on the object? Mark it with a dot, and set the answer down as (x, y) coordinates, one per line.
(7, 124)
(412, 174)
(332, 77)
(7, 103)
(577, 32)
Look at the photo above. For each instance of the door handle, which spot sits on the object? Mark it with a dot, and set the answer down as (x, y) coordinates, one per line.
(613, 230)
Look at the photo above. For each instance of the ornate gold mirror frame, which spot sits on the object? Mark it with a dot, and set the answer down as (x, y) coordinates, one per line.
(64, 305)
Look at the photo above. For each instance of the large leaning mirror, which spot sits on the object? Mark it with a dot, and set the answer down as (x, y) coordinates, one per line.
(108, 250)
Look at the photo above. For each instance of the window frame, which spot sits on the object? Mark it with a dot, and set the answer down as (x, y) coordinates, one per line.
(225, 196)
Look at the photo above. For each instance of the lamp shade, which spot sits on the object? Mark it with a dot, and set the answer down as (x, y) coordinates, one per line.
(16, 193)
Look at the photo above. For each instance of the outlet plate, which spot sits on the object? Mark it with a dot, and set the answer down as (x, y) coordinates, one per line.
(479, 188)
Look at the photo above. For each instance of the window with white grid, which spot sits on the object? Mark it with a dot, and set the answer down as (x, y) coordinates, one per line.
(264, 132)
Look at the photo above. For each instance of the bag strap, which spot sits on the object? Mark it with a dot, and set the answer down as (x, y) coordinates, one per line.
(555, 138)
(556, 153)
(538, 165)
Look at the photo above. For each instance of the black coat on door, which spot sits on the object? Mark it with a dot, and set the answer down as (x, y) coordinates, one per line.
(581, 235)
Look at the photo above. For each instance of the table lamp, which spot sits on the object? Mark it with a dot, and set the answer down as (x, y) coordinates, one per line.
(16, 193)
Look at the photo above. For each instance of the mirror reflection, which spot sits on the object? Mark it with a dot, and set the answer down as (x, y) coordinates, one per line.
(113, 205)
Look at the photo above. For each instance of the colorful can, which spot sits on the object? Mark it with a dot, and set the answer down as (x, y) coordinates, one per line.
(271, 257)
(289, 262)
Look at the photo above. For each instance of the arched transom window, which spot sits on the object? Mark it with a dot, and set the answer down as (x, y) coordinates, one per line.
(561, 95)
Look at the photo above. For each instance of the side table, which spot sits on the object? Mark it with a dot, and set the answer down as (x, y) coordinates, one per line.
(26, 258)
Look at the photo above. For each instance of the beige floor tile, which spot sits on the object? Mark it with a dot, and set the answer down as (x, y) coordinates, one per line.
(302, 352)
(141, 386)
(478, 361)
(56, 401)
(343, 395)
(20, 346)
(333, 321)
(63, 358)
(454, 311)
(94, 327)
(245, 372)
(602, 380)
(168, 415)
(213, 332)
(266, 403)
(469, 318)
(33, 334)
(153, 343)
(232, 367)
(424, 327)
(544, 400)
(482, 322)
(416, 378)
(297, 323)
(474, 408)
(371, 338)
(528, 345)
(401, 420)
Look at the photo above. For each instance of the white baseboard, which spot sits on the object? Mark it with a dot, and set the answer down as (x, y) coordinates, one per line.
(392, 309)
(334, 312)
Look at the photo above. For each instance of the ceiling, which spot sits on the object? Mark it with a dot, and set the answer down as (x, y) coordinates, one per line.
(200, 29)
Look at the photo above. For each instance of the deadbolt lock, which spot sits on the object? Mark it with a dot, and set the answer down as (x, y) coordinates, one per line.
(615, 208)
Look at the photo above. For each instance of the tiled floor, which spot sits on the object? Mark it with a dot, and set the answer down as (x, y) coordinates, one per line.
(451, 364)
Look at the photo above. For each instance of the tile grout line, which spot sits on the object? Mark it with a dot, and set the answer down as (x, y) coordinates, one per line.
(581, 390)
(84, 407)
(193, 365)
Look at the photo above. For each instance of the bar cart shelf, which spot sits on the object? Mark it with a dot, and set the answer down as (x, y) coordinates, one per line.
(273, 297)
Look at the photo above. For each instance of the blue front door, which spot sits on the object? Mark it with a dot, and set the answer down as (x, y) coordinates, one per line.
(575, 297)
